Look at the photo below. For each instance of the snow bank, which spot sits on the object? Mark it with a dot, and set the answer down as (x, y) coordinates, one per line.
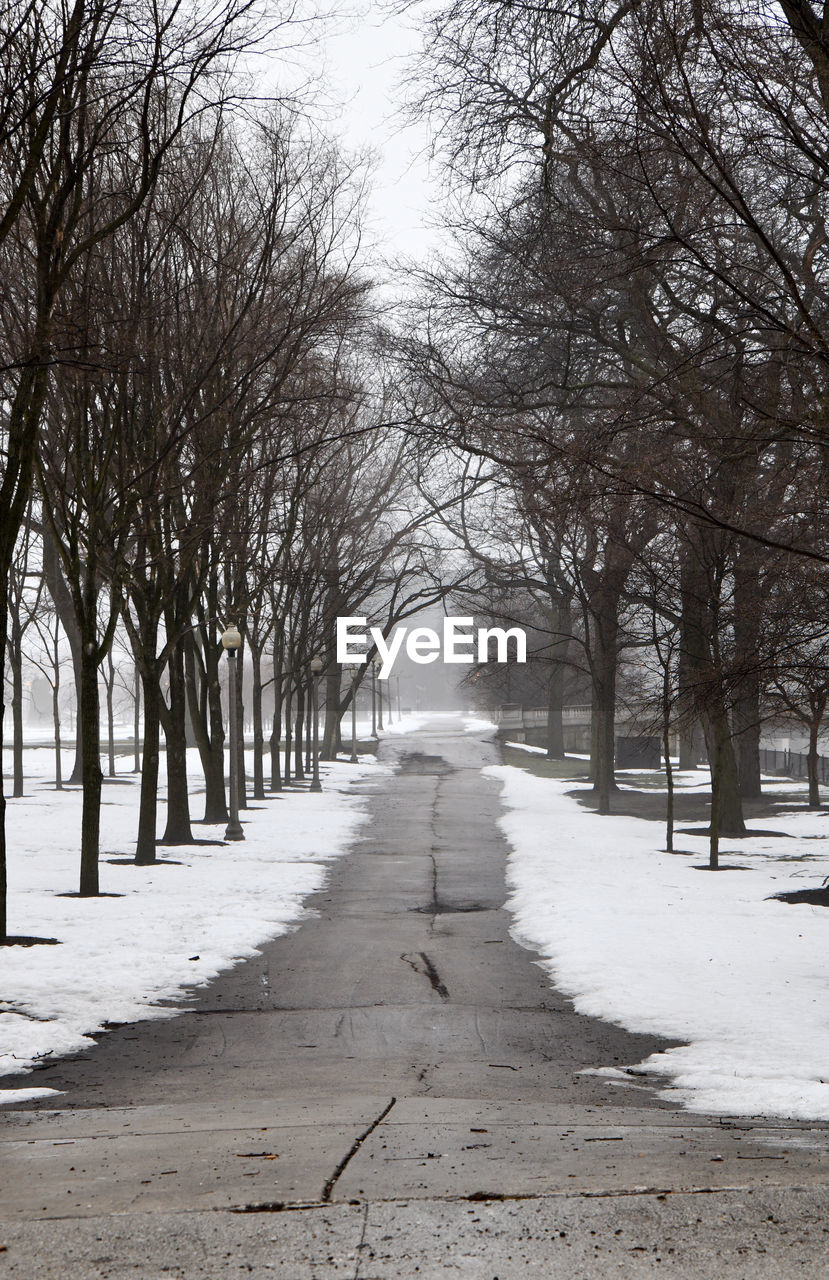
(643, 939)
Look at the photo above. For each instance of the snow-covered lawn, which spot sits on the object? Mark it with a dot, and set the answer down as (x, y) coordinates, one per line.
(474, 724)
(642, 938)
(407, 724)
(175, 925)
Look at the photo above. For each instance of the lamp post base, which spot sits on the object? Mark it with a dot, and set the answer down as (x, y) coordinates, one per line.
(234, 831)
(316, 785)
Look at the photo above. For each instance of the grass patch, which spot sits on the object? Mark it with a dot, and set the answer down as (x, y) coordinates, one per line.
(643, 794)
(541, 766)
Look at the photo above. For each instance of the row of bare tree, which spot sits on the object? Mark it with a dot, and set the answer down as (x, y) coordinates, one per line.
(631, 335)
(194, 429)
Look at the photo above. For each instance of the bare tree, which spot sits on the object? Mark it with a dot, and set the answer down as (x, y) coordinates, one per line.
(87, 81)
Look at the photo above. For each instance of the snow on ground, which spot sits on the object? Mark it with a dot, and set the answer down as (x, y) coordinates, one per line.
(473, 724)
(409, 723)
(641, 938)
(174, 926)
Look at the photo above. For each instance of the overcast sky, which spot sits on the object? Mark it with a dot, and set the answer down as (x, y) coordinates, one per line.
(366, 58)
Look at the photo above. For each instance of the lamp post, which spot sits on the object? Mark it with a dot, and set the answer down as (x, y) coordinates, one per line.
(354, 673)
(231, 641)
(374, 699)
(316, 668)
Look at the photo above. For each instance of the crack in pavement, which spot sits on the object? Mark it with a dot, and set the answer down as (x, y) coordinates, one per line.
(351, 1153)
(428, 971)
(362, 1244)
(644, 1192)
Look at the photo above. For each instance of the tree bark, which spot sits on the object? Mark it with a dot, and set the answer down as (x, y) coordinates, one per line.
(110, 686)
(276, 725)
(65, 609)
(56, 717)
(309, 726)
(136, 722)
(746, 716)
(91, 755)
(724, 773)
(603, 671)
(178, 829)
(813, 764)
(287, 697)
(333, 712)
(705, 684)
(145, 849)
(202, 690)
(258, 730)
(15, 651)
(299, 721)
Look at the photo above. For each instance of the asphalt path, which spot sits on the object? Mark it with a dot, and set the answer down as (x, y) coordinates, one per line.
(394, 1089)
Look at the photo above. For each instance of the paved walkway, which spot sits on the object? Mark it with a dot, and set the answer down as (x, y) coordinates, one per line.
(395, 1090)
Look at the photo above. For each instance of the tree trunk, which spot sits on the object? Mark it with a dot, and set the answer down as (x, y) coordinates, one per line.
(309, 726)
(813, 764)
(258, 730)
(65, 609)
(705, 688)
(204, 699)
(56, 723)
(333, 712)
(725, 778)
(276, 725)
(136, 722)
(603, 671)
(91, 754)
(110, 687)
(299, 720)
(177, 830)
(666, 751)
(15, 649)
(147, 814)
(288, 731)
(747, 616)
(216, 798)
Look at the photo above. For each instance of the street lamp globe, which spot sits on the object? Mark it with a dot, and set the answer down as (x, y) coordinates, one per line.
(316, 664)
(232, 638)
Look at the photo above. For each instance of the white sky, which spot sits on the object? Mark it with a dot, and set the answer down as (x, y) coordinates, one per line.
(358, 66)
(365, 62)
